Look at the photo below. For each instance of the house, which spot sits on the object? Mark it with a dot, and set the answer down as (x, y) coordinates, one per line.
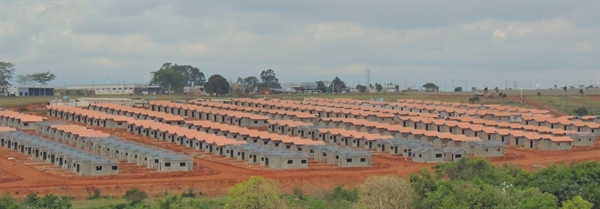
(484, 148)
(427, 154)
(454, 154)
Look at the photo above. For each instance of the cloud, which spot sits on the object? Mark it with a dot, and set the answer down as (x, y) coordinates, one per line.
(402, 42)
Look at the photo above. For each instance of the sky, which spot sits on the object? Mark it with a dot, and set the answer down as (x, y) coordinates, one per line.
(409, 43)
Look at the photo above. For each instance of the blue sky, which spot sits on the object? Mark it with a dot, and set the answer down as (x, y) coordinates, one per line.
(403, 42)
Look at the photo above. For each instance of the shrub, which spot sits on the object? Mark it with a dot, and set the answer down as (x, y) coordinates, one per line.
(94, 196)
(189, 194)
(135, 196)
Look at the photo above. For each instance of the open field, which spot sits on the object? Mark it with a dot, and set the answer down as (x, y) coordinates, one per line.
(20, 179)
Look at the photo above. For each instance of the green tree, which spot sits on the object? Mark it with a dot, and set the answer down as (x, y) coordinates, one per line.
(533, 198)
(43, 78)
(8, 202)
(378, 87)
(474, 99)
(458, 89)
(361, 88)
(269, 79)
(192, 75)
(385, 192)
(7, 70)
(339, 193)
(431, 87)
(485, 90)
(50, 201)
(337, 85)
(577, 203)
(250, 83)
(255, 193)
(321, 86)
(581, 111)
(31, 199)
(135, 196)
(217, 84)
(168, 79)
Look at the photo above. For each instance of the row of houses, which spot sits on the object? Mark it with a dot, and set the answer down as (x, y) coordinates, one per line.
(583, 138)
(118, 149)
(137, 113)
(89, 117)
(19, 120)
(68, 158)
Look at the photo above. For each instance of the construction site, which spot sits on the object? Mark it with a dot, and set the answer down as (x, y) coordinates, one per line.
(315, 143)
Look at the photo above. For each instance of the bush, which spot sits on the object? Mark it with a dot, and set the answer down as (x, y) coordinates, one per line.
(189, 194)
(581, 111)
(298, 193)
(94, 196)
(135, 196)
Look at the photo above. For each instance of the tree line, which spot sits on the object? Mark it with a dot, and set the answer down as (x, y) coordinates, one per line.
(7, 71)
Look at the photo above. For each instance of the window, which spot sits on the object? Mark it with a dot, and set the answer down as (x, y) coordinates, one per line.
(182, 164)
(419, 155)
(290, 162)
(337, 157)
(405, 150)
(438, 155)
(349, 160)
(569, 143)
(486, 150)
(458, 156)
(255, 122)
(114, 168)
(498, 150)
(324, 154)
(167, 164)
(579, 139)
(156, 161)
(98, 168)
(25, 124)
(262, 159)
(362, 160)
(303, 162)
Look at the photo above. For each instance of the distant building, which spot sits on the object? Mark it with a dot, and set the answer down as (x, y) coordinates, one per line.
(31, 90)
(300, 87)
(114, 89)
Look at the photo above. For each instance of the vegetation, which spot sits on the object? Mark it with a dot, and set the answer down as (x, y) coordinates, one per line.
(337, 85)
(94, 196)
(135, 196)
(581, 111)
(7, 70)
(361, 88)
(431, 87)
(174, 77)
(321, 86)
(386, 192)
(217, 85)
(458, 89)
(48, 201)
(269, 79)
(474, 99)
(378, 87)
(256, 193)
(39, 78)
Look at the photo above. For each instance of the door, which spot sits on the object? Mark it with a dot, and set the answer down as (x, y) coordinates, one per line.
(254, 156)
(266, 161)
(243, 156)
(396, 150)
(383, 147)
(530, 144)
(231, 153)
(370, 145)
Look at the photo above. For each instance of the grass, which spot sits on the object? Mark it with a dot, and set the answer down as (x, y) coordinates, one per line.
(567, 104)
(100, 202)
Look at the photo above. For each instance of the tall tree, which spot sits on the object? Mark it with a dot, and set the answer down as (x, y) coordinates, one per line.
(269, 79)
(217, 84)
(168, 79)
(321, 86)
(250, 83)
(240, 80)
(192, 75)
(361, 88)
(39, 78)
(337, 85)
(7, 70)
(378, 87)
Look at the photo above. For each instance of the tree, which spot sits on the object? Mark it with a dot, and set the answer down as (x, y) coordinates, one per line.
(580, 111)
(474, 99)
(581, 92)
(496, 89)
(321, 86)
(250, 83)
(485, 90)
(40, 78)
(397, 87)
(386, 192)
(565, 89)
(458, 89)
(378, 87)
(269, 79)
(431, 87)
(7, 70)
(135, 196)
(217, 84)
(51, 201)
(337, 85)
(192, 75)
(168, 79)
(255, 193)
(577, 203)
(361, 88)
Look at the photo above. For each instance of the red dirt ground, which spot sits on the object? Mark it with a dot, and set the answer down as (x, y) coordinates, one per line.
(214, 175)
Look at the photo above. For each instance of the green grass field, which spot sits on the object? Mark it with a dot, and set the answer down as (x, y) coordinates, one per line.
(212, 202)
(567, 104)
